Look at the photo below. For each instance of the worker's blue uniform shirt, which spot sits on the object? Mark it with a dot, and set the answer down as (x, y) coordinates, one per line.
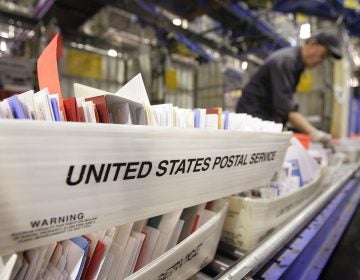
(269, 94)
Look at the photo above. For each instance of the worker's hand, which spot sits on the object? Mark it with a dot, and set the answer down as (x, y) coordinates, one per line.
(321, 136)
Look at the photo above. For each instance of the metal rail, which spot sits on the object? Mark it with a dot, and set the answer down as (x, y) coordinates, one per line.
(267, 249)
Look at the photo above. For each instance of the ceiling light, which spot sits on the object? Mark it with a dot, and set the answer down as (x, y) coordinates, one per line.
(305, 31)
(244, 65)
(3, 46)
(112, 53)
(176, 21)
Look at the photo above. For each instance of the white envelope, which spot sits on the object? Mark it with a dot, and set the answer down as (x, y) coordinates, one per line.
(23, 269)
(167, 226)
(46, 258)
(212, 121)
(106, 266)
(90, 111)
(175, 235)
(136, 252)
(74, 255)
(139, 226)
(129, 257)
(27, 102)
(43, 106)
(135, 90)
(122, 234)
(309, 168)
(5, 110)
(163, 114)
(107, 242)
(121, 259)
(53, 273)
(152, 237)
(10, 268)
(56, 254)
(114, 103)
(36, 263)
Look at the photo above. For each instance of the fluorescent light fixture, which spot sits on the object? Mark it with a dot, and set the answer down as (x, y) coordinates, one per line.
(112, 53)
(176, 21)
(244, 65)
(305, 31)
(3, 46)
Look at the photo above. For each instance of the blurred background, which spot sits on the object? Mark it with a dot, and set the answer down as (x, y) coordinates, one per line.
(192, 53)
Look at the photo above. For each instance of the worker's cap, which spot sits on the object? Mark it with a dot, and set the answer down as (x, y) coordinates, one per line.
(330, 41)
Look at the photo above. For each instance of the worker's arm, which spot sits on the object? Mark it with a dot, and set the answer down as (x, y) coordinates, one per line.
(303, 125)
(300, 123)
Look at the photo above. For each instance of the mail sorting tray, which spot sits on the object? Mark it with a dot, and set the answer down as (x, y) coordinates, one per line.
(107, 175)
(250, 220)
(189, 256)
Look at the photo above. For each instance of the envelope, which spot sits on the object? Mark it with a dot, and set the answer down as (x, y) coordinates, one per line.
(101, 108)
(42, 105)
(225, 120)
(95, 260)
(151, 239)
(71, 110)
(167, 226)
(175, 235)
(54, 101)
(16, 108)
(135, 90)
(140, 237)
(11, 267)
(75, 251)
(27, 102)
(5, 110)
(88, 109)
(109, 105)
(210, 112)
(46, 258)
(163, 114)
(107, 241)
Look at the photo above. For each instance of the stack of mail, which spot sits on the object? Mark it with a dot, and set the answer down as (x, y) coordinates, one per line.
(255, 214)
(350, 147)
(118, 252)
(145, 249)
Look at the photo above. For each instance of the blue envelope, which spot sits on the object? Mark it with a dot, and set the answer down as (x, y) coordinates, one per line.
(16, 107)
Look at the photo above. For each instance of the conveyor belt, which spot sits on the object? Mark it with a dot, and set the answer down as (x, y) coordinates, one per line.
(300, 249)
(306, 255)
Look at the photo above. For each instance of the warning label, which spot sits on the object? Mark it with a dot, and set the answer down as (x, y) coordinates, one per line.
(53, 226)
